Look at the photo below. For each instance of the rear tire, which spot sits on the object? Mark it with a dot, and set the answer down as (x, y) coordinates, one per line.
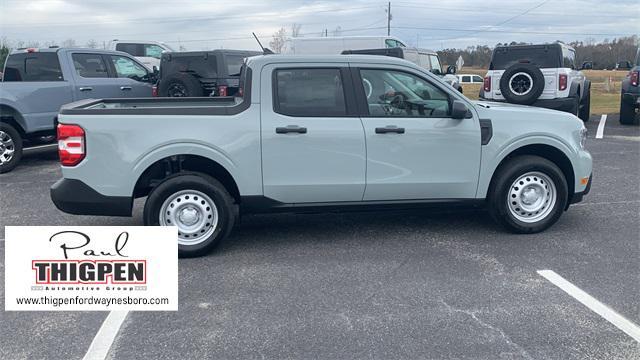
(628, 115)
(528, 194)
(585, 109)
(198, 205)
(10, 147)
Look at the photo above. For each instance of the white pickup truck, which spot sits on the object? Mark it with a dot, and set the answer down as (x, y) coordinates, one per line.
(313, 133)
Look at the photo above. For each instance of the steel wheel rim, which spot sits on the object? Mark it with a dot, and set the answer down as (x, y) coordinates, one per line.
(532, 197)
(177, 90)
(7, 148)
(193, 212)
(521, 83)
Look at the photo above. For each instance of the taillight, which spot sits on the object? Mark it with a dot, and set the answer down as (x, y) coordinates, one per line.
(154, 90)
(562, 82)
(71, 144)
(222, 90)
(634, 77)
(487, 83)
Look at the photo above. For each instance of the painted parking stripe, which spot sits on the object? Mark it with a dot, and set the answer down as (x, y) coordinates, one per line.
(600, 132)
(103, 340)
(592, 303)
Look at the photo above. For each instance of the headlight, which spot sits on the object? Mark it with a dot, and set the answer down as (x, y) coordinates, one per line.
(583, 137)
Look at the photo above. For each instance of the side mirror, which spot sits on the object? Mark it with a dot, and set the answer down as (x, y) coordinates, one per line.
(587, 65)
(451, 69)
(459, 110)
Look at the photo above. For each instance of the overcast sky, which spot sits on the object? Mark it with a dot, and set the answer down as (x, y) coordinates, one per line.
(200, 24)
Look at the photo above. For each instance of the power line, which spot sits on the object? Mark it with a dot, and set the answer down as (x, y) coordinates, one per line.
(511, 31)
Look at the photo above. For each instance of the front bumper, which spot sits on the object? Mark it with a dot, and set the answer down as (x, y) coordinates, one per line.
(567, 104)
(577, 197)
(75, 197)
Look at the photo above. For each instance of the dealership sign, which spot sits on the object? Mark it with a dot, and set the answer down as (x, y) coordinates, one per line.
(91, 268)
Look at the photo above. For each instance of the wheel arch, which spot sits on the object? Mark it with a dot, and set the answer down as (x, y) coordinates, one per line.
(174, 165)
(547, 151)
(12, 116)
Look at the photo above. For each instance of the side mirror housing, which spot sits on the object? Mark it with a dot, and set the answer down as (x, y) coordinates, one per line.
(451, 69)
(459, 110)
(587, 65)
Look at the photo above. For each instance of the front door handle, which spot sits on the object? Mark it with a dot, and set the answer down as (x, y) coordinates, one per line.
(291, 129)
(125, 88)
(389, 129)
(87, 88)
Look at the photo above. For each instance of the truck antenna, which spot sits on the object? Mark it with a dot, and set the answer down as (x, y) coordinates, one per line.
(265, 51)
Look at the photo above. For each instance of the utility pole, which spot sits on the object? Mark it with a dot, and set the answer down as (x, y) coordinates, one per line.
(389, 19)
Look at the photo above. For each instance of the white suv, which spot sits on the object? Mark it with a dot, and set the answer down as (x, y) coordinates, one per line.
(539, 75)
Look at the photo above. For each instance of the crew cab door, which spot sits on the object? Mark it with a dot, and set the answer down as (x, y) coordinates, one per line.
(92, 79)
(415, 150)
(133, 79)
(313, 147)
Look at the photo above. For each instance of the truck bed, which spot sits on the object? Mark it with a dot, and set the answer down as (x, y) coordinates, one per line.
(156, 106)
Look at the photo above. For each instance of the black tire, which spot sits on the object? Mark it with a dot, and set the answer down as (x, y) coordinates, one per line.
(585, 108)
(532, 85)
(223, 203)
(11, 139)
(628, 115)
(181, 85)
(501, 193)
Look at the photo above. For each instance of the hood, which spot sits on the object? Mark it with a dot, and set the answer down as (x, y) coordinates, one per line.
(514, 112)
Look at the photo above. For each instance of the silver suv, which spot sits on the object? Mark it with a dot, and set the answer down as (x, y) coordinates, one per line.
(539, 75)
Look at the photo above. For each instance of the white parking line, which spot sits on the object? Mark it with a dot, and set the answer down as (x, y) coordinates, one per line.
(603, 121)
(103, 340)
(592, 303)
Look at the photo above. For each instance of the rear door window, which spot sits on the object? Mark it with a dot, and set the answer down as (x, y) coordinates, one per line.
(131, 49)
(90, 65)
(36, 66)
(312, 92)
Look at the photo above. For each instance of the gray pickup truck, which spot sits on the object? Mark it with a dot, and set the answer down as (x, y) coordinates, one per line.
(37, 82)
(314, 133)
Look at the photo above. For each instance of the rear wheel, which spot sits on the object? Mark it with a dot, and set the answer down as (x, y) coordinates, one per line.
(10, 147)
(585, 107)
(198, 205)
(628, 115)
(528, 194)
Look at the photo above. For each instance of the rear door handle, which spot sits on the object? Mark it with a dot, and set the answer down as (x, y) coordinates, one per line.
(88, 88)
(125, 87)
(389, 129)
(291, 129)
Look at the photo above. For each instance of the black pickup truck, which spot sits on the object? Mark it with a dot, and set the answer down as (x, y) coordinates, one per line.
(630, 95)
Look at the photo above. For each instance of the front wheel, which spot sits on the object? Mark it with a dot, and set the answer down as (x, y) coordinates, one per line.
(10, 148)
(528, 194)
(198, 205)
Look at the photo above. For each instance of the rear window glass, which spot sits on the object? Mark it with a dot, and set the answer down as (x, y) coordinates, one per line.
(33, 67)
(543, 57)
(234, 63)
(199, 65)
(309, 92)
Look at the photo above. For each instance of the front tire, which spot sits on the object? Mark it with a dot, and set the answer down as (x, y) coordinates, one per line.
(528, 194)
(198, 205)
(10, 147)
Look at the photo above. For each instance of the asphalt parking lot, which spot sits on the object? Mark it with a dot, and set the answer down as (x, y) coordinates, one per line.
(406, 284)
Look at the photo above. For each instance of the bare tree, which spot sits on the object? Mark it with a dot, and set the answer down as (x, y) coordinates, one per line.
(92, 44)
(295, 29)
(278, 43)
(69, 43)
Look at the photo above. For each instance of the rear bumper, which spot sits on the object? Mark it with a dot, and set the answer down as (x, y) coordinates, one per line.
(631, 99)
(75, 197)
(567, 104)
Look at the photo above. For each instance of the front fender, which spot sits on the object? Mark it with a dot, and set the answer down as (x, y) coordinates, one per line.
(493, 156)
